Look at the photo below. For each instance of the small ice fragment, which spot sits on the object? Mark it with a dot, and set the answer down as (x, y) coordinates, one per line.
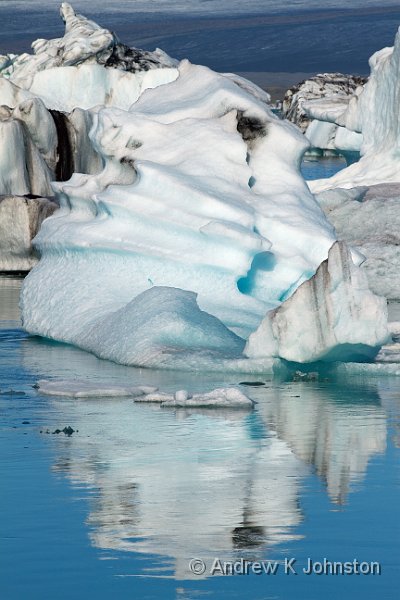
(181, 396)
(88, 389)
(220, 397)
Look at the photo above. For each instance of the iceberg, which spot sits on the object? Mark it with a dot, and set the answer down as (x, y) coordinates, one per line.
(373, 113)
(183, 217)
(84, 42)
(87, 389)
(368, 218)
(331, 317)
(48, 100)
(200, 181)
(219, 398)
(20, 220)
(333, 88)
(315, 104)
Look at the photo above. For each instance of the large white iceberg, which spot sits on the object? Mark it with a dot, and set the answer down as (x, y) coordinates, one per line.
(192, 199)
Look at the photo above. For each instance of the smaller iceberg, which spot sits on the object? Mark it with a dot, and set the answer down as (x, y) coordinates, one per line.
(331, 317)
(372, 114)
(220, 398)
(229, 397)
(87, 389)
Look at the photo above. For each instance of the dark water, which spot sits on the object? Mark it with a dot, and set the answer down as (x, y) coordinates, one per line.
(120, 507)
(265, 38)
(321, 168)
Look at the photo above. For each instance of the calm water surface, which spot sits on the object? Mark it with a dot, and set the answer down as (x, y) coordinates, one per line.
(321, 168)
(119, 508)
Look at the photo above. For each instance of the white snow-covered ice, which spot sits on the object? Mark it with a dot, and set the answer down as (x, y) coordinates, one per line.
(200, 182)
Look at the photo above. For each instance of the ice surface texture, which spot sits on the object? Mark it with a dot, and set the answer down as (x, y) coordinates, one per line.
(20, 220)
(331, 317)
(332, 87)
(368, 218)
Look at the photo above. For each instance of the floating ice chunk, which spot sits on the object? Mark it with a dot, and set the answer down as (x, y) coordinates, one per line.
(324, 135)
(180, 204)
(220, 397)
(328, 109)
(89, 389)
(182, 396)
(333, 316)
(321, 134)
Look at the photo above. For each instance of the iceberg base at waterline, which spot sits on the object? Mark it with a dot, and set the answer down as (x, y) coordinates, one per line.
(164, 328)
(331, 317)
(20, 220)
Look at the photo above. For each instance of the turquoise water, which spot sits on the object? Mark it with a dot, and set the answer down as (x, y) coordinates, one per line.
(321, 168)
(120, 507)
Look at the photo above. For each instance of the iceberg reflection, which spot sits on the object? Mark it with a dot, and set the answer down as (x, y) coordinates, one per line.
(184, 483)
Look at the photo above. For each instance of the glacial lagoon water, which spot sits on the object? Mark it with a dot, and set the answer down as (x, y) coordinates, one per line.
(119, 508)
(314, 167)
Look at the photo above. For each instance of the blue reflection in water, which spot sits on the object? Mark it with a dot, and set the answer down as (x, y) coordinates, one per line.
(120, 507)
